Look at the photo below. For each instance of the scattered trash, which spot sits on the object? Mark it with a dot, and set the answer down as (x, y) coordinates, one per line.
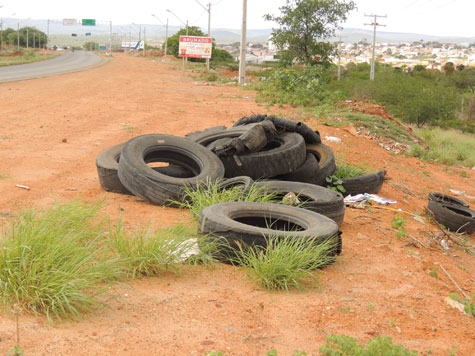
(418, 218)
(22, 186)
(457, 192)
(454, 304)
(332, 139)
(444, 244)
(291, 199)
(359, 198)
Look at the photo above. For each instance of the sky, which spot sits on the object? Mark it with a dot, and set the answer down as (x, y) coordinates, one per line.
(428, 17)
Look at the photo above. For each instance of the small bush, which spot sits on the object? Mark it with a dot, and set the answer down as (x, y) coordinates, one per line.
(287, 262)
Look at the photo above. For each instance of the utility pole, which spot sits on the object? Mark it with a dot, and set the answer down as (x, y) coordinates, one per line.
(143, 52)
(18, 37)
(1, 36)
(242, 57)
(166, 38)
(110, 46)
(27, 38)
(374, 24)
(339, 56)
(47, 38)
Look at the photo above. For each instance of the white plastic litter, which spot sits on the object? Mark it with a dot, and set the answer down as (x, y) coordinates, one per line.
(332, 139)
(368, 197)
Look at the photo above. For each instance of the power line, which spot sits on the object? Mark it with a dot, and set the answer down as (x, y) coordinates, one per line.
(374, 24)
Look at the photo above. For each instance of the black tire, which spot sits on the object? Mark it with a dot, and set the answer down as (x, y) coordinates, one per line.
(367, 183)
(212, 134)
(159, 188)
(197, 134)
(243, 181)
(315, 198)
(281, 156)
(454, 217)
(326, 162)
(444, 198)
(247, 224)
(310, 136)
(107, 163)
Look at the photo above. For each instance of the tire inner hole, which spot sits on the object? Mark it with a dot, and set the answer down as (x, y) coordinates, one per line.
(270, 223)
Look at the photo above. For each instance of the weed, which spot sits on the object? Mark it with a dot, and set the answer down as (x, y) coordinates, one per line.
(286, 262)
(335, 183)
(181, 110)
(468, 303)
(433, 271)
(207, 194)
(344, 345)
(127, 127)
(370, 306)
(452, 350)
(151, 253)
(399, 223)
(345, 171)
(52, 262)
(4, 176)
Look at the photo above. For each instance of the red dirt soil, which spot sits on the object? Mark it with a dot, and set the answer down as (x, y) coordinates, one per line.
(51, 131)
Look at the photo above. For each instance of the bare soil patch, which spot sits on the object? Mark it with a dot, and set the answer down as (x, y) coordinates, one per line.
(51, 131)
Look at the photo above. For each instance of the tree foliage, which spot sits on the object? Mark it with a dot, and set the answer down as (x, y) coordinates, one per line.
(305, 25)
(35, 37)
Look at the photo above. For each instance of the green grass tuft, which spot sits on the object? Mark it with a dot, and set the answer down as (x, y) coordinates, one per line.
(286, 263)
(149, 252)
(54, 262)
(209, 194)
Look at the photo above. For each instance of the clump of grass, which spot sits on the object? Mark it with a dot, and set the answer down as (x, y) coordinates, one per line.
(450, 147)
(209, 193)
(54, 261)
(148, 252)
(287, 262)
(4, 176)
(347, 346)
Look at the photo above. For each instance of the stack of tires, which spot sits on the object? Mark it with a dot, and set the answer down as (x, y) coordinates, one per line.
(452, 213)
(286, 157)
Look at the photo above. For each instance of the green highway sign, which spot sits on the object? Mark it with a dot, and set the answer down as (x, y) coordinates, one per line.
(89, 22)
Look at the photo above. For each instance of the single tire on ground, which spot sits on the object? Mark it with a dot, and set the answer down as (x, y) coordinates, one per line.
(454, 217)
(159, 188)
(249, 224)
(107, 163)
(281, 156)
(444, 198)
(367, 183)
(313, 197)
(310, 136)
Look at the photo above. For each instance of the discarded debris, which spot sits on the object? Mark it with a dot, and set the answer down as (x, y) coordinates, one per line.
(22, 186)
(365, 197)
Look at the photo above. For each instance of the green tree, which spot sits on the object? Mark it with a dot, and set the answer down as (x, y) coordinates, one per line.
(449, 68)
(419, 68)
(91, 46)
(304, 27)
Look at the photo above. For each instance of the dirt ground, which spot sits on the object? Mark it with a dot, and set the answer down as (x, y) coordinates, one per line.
(51, 131)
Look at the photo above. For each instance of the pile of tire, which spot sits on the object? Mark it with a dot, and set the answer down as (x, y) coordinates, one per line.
(453, 213)
(286, 157)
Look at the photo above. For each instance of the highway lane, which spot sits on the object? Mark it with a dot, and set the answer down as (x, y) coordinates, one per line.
(65, 63)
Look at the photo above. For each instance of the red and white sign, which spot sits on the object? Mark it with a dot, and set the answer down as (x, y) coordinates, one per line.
(195, 47)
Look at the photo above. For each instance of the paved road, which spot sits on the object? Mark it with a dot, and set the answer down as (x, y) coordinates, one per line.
(65, 63)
